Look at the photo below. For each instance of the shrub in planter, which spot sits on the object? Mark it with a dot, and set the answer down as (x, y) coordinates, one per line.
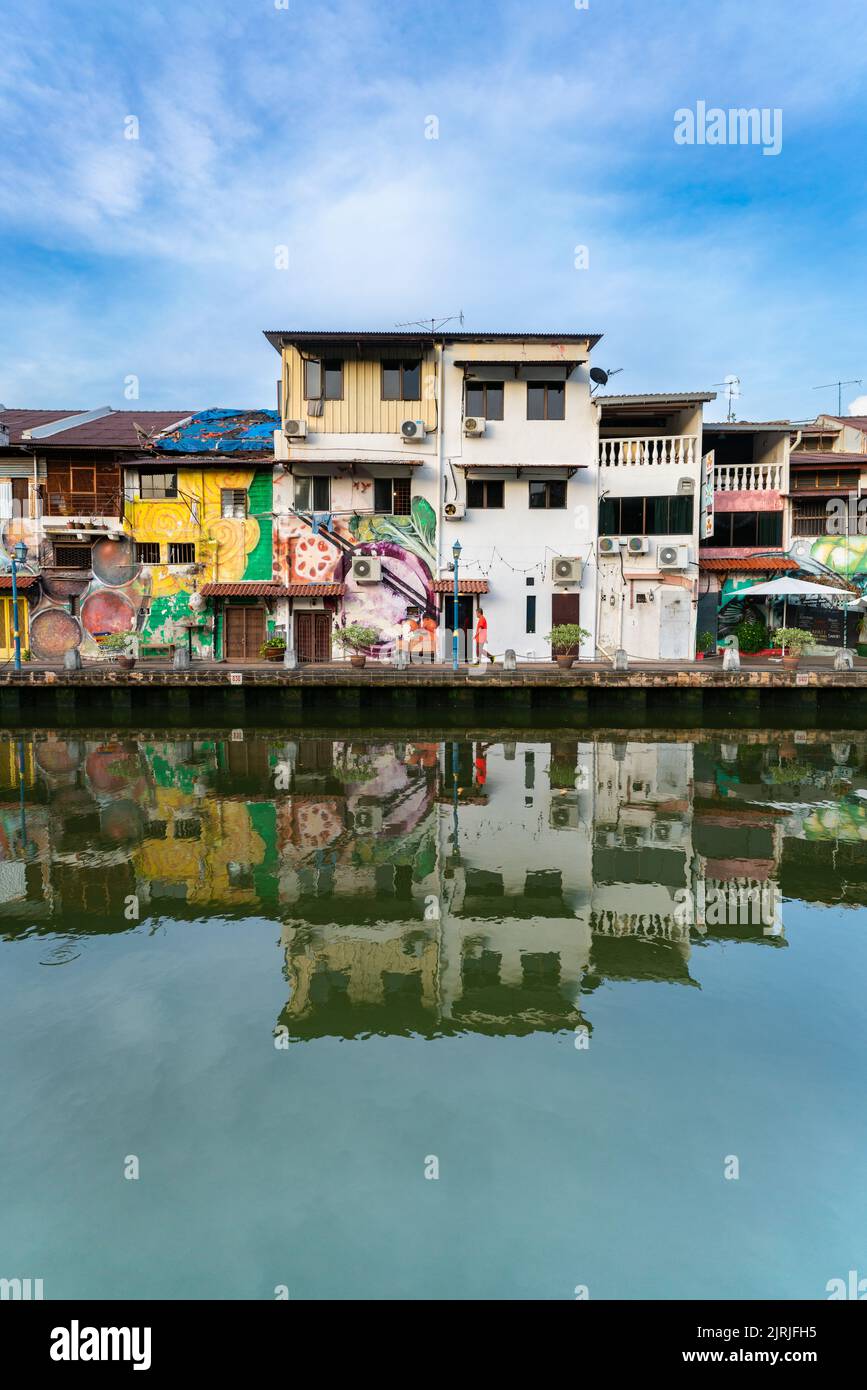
(794, 642)
(705, 645)
(566, 639)
(273, 649)
(752, 636)
(356, 639)
(121, 647)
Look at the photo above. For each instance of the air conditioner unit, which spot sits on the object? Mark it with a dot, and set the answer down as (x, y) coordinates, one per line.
(608, 545)
(366, 569)
(566, 569)
(638, 545)
(454, 511)
(473, 424)
(564, 815)
(367, 820)
(673, 557)
(686, 487)
(295, 429)
(413, 430)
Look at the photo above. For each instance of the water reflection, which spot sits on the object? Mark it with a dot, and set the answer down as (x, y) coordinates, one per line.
(431, 887)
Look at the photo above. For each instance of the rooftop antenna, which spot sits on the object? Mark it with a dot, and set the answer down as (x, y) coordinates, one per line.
(856, 381)
(732, 386)
(433, 325)
(600, 377)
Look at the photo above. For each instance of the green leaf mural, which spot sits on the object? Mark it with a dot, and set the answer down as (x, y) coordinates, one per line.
(416, 533)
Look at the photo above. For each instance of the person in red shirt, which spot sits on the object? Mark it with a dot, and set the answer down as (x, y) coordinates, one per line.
(481, 634)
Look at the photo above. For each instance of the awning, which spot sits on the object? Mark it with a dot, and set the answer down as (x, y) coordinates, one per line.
(25, 581)
(793, 588)
(465, 586)
(519, 468)
(253, 589)
(748, 564)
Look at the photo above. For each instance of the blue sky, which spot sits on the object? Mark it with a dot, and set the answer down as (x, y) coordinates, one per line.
(304, 126)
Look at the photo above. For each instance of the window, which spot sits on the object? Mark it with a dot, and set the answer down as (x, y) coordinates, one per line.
(312, 494)
(484, 398)
(733, 529)
(323, 379)
(392, 496)
(646, 516)
(147, 552)
(20, 497)
(549, 494)
(155, 485)
(485, 493)
(187, 828)
(546, 400)
(233, 502)
(72, 557)
(182, 553)
(401, 381)
(531, 612)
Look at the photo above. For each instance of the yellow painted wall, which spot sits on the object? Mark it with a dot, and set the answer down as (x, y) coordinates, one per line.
(222, 544)
(362, 410)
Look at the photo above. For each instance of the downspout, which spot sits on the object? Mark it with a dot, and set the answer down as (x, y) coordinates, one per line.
(441, 415)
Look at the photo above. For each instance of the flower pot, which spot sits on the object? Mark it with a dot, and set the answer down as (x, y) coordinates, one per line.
(275, 654)
(791, 661)
(357, 659)
(565, 662)
(699, 656)
(126, 663)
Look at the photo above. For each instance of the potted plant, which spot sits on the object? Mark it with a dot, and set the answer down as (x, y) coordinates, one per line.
(273, 648)
(121, 647)
(706, 643)
(794, 642)
(752, 636)
(566, 639)
(356, 639)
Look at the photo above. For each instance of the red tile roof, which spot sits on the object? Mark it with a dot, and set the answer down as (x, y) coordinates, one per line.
(256, 589)
(114, 431)
(25, 581)
(750, 564)
(465, 586)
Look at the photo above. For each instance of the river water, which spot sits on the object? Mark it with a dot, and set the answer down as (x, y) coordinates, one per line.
(356, 1018)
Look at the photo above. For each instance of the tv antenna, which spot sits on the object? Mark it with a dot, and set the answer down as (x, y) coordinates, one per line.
(856, 381)
(600, 377)
(433, 325)
(732, 386)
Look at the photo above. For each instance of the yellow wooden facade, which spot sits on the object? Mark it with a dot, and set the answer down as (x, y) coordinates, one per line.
(362, 409)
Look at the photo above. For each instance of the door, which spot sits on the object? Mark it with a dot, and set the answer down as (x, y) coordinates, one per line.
(464, 624)
(565, 608)
(313, 636)
(675, 608)
(245, 632)
(7, 627)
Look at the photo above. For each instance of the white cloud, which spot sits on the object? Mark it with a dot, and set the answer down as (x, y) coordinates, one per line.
(858, 406)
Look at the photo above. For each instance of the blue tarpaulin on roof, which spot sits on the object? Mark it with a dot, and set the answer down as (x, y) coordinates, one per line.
(222, 432)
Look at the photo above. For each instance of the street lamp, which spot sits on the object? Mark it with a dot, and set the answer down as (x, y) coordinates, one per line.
(456, 552)
(19, 556)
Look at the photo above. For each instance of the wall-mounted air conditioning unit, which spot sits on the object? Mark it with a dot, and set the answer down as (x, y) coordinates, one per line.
(295, 429)
(474, 424)
(566, 569)
(638, 545)
(412, 431)
(454, 511)
(367, 820)
(609, 545)
(564, 815)
(673, 557)
(366, 569)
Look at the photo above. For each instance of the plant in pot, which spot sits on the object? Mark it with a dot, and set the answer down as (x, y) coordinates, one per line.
(273, 649)
(794, 642)
(566, 639)
(121, 646)
(355, 639)
(705, 645)
(752, 636)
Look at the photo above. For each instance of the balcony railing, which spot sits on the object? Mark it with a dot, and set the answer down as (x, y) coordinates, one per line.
(748, 477)
(83, 504)
(649, 450)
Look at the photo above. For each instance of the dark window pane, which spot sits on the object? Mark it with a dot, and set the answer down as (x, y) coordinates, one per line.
(609, 513)
(391, 381)
(333, 370)
(535, 403)
(538, 495)
(531, 612)
(770, 528)
(494, 404)
(656, 516)
(631, 516)
(312, 380)
(680, 516)
(382, 494)
(744, 528)
(557, 493)
(475, 400)
(475, 492)
(321, 494)
(402, 496)
(557, 401)
(412, 381)
(495, 492)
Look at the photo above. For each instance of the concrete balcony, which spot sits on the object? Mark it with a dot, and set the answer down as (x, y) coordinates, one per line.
(749, 477)
(649, 451)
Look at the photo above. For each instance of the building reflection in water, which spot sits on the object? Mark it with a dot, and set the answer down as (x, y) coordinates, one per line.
(433, 887)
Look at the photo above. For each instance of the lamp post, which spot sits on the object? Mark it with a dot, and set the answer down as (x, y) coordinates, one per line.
(19, 556)
(456, 552)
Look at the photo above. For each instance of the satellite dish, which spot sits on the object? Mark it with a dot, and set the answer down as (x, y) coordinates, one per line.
(598, 376)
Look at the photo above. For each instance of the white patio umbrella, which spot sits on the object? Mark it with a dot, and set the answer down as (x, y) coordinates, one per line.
(786, 588)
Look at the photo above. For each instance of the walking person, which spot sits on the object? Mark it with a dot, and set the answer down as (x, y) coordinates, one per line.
(481, 634)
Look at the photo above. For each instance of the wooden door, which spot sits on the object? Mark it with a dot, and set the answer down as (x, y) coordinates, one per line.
(313, 636)
(7, 626)
(245, 632)
(565, 608)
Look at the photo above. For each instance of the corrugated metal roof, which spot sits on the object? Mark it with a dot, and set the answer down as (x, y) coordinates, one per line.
(114, 431)
(826, 459)
(276, 336)
(747, 426)
(659, 398)
(465, 586)
(222, 432)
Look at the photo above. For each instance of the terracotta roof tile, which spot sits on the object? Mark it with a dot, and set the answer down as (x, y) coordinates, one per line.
(465, 586)
(256, 589)
(25, 581)
(749, 564)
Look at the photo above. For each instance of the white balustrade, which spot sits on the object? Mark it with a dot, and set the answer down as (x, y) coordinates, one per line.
(649, 450)
(748, 477)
